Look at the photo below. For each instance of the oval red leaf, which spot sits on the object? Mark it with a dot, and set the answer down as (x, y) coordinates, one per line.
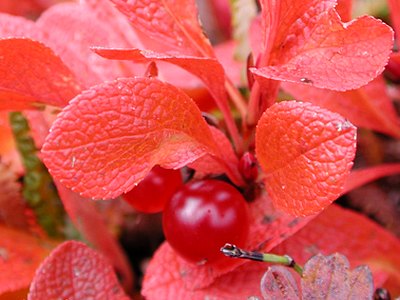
(74, 271)
(110, 136)
(306, 153)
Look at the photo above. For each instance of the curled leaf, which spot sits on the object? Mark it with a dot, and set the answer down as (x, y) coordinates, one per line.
(209, 70)
(306, 42)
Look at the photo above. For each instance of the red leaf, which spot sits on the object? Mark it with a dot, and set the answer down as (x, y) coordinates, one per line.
(12, 204)
(306, 153)
(106, 11)
(85, 215)
(109, 137)
(74, 271)
(368, 107)
(22, 7)
(308, 43)
(334, 230)
(394, 8)
(173, 24)
(209, 70)
(329, 277)
(353, 235)
(279, 284)
(45, 79)
(169, 276)
(70, 29)
(344, 9)
(92, 225)
(20, 255)
(360, 177)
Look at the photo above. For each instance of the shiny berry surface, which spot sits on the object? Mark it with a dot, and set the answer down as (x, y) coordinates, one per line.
(202, 216)
(153, 192)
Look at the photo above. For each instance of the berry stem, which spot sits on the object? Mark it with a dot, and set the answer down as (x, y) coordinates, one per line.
(236, 252)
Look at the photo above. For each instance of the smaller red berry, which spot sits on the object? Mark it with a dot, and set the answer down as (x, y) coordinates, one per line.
(153, 192)
(248, 167)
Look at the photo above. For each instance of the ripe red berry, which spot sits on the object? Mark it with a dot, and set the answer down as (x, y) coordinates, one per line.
(202, 216)
(153, 192)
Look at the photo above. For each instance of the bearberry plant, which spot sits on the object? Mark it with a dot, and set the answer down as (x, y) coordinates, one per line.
(245, 143)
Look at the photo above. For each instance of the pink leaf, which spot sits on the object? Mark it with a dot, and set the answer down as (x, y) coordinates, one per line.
(74, 271)
(70, 29)
(109, 137)
(173, 24)
(308, 43)
(306, 153)
(368, 107)
(13, 26)
(44, 80)
(278, 283)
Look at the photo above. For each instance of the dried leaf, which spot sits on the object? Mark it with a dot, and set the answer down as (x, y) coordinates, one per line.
(361, 240)
(278, 283)
(329, 277)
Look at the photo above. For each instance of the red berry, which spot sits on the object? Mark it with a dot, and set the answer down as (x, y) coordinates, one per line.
(202, 216)
(153, 192)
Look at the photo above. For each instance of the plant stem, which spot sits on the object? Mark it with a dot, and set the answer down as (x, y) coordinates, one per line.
(236, 252)
(236, 97)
